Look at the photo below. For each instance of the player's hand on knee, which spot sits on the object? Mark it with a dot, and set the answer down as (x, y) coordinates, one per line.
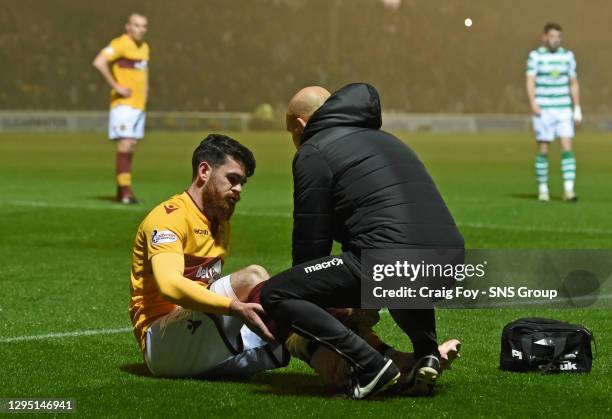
(250, 314)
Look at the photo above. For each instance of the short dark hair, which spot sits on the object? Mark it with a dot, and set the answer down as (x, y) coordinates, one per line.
(550, 26)
(216, 148)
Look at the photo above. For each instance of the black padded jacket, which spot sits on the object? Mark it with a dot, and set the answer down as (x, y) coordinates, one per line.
(361, 186)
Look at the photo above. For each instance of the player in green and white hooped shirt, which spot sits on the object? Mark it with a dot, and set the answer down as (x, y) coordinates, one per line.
(552, 87)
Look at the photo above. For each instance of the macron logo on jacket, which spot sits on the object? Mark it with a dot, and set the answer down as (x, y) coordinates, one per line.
(324, 265)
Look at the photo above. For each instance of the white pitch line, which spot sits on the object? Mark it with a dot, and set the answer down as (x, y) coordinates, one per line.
(288, 214)
(536, 228)
(78, 333)
(384, 311)
(40, 204)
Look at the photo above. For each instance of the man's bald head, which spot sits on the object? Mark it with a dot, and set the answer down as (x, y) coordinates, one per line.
(307, 101)
(301, 107)
(136, 27)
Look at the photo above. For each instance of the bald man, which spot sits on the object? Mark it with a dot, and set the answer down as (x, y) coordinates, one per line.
(365, 189)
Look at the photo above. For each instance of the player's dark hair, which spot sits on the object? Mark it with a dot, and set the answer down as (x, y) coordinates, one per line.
(216, 148)
(550, 26)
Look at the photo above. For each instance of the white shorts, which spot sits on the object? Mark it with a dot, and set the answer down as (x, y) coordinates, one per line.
(188, 343)
(553, 123)
(126, 122)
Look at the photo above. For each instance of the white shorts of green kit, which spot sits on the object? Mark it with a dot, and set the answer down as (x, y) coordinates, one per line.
(554, 123)
(189, 343)
(126, 122)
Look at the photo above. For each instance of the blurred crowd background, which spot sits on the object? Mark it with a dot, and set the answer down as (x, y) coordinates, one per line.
(233, 55)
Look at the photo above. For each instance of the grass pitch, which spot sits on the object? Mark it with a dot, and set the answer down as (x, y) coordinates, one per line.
(65, 260)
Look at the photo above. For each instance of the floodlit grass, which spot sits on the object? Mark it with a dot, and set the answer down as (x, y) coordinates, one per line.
(64, 267)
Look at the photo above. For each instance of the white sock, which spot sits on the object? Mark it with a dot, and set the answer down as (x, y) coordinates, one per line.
(543, 188)
(568, 186)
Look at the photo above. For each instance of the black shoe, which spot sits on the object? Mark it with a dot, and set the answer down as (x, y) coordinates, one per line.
(422, 378)
(129, 200)
(368, 384)
(570, 197)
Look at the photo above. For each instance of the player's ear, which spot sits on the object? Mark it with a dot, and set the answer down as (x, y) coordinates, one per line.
(204, 171)
(301, 123)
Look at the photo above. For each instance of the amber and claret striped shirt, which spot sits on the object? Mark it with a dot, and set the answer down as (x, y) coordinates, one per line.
(129, 64)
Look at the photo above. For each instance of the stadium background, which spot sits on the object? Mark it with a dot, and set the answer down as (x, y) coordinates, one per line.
(65, 246)
(233, 55)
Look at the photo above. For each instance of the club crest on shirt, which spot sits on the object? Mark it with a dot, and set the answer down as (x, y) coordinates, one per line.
(163, 236)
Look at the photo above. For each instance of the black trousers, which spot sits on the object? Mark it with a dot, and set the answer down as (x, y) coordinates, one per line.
(297, 298)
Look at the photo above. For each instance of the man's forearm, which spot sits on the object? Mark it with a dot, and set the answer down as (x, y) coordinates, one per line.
(575, 92)
(167, 270)
(102, 67)
(188, 294)
(530, 87)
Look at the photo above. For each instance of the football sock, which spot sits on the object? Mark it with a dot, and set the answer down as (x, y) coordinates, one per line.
(124, 174)
(568, 170)
(420, 326)
(541, 169)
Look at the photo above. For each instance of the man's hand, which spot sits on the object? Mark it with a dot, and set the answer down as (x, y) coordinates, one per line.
(577, 115)
(123, 91)
(249, 313)
(535, 108)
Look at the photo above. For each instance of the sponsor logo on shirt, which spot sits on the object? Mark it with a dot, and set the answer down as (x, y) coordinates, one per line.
(163, 236)
(133, 64)
(209, 273)
(201, 231)
(202, 269)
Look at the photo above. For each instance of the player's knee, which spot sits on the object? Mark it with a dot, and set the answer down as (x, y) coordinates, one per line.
(126, 146)
(257, 274)
(246, 279)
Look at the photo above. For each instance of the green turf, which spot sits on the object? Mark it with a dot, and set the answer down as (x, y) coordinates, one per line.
(64, 266)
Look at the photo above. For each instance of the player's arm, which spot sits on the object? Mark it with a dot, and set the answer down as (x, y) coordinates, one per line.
(312, 212)
(575, 90)
(530, 85)
(532, 71)
(168, 270)
(101, 63)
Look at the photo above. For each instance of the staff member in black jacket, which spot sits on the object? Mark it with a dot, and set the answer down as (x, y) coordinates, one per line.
(365, 189)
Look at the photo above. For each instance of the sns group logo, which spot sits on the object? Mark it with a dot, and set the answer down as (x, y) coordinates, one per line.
(163, 236)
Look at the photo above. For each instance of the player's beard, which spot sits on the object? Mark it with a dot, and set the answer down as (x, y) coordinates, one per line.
(216, 204)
